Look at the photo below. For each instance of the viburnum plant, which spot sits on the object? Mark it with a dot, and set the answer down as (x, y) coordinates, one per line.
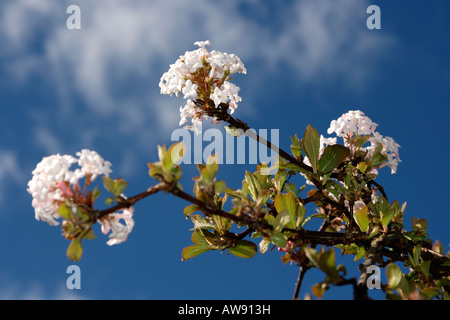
(269, 210)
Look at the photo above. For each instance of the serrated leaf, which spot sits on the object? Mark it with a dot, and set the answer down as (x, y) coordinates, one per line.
(244, 249)
(394, 275)
(311, 146)
(332, 157)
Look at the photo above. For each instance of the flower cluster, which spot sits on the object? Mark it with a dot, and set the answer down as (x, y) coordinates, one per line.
(54, 182)
(355, 123)
(119, 231)
(203, 79)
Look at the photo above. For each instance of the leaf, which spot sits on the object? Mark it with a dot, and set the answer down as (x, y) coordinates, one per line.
(362, 219)
(419, 224)
(65, 211)
(287, 202)
(201, 223)
(244, 249)
(296, 147)
(95, 194)
(430, 293)
(175, 153)
(220, 186)
(253, 185)
(332, 157)
(327, 263)
(264, 245)
(394, 275)
(191, 209)
(319, 289)
(108, 183)
(75, 250)
(193, 251)
(311, 146)
(233, 131)
(279, 239)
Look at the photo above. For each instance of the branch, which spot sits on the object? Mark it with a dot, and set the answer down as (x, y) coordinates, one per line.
(126, 203)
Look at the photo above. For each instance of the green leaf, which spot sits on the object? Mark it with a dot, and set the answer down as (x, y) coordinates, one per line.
(416, 254)
(191, 209)
(394, 275)
(362, 219)
(430, 293)
(95, 194)
(108, 183)
(332, 157)
(244, 249)
(327, 263)
(175, 153)
(253, 185)
(233, 131)
(279, 180)
(311, 145)
(75, 250)
(361, 252)
(319, 289)
(419, 224)
(220, 186)
(193, 251)
(65, 211)
(296, 147)
(89, 234)
(119, 186)
(279, 239)
(201, 223)
(287, 202)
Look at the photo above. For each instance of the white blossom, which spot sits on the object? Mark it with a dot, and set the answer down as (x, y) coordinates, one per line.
(119, 231)
(181, 78)
(350, 123)
(356, 122)
(48, 185)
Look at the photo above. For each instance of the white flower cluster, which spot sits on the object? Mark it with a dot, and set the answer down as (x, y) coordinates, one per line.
(350, 123)
(48, 185)
(183, 77)
(119, 231)
(356, 122)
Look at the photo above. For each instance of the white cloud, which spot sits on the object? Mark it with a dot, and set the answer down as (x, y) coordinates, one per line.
(35, 291)
(114, 62)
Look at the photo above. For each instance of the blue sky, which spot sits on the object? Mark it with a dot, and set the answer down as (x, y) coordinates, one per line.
(307, 62)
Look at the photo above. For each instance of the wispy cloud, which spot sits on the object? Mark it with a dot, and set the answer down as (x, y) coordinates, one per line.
(113, 64)
(35, 291)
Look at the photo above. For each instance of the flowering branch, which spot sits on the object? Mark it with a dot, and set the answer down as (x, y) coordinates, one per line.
(357, 217)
